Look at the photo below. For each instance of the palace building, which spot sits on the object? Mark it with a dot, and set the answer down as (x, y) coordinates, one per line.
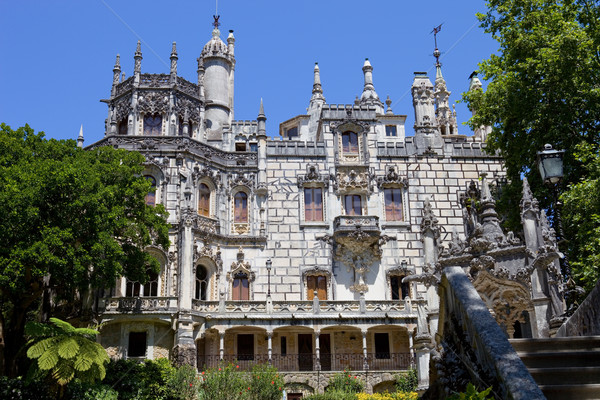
(291, 247)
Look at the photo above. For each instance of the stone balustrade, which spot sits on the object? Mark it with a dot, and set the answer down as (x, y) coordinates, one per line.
(138, 304)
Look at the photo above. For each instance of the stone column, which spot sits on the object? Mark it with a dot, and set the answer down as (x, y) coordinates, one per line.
(270, 345)
(364, 345)
(221, 345)
(318, 349)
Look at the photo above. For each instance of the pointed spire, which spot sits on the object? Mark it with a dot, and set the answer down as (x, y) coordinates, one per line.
(488, 215)
(261, 119)
(317, 97)
(369, 96)
(116, 74)
(80, 137)
(174, 60)
(230, 43)
(138, 58)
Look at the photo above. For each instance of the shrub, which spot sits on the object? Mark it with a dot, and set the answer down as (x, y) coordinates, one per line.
(150, 380)
(345, 382)
(265, 383)
(388, 396)
(17, 389)
(223, 383)
(78, 390)
(183, 384)
(472, 394)
(332, 395)
(408, 381)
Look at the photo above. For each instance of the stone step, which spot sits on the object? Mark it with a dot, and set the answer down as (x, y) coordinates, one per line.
(562, 359)
(566, 376)
(571, 392)
(575, 343)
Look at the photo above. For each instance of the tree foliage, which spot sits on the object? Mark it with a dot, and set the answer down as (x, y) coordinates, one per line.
(544, 87)
(66, 352)
(70, 220)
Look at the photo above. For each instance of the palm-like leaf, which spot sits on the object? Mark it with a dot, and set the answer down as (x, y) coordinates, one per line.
(48, 359)
(68, 347)
(40, 347)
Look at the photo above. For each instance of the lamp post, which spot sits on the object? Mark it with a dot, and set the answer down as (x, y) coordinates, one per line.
(550, 164)
(269, 266)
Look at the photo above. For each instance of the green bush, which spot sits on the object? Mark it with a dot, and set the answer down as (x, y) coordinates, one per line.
(184, 383)
(408, 381)
(78, 390)
(345, 382)
(332, 395)
(265, 383)
(472, 394)
(224, 383)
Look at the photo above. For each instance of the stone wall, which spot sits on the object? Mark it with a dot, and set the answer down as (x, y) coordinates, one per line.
(586, 319)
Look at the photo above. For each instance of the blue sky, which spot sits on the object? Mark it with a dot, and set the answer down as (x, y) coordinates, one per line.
(57, 56)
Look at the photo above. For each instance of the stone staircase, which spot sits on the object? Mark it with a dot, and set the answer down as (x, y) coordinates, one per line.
(564, 368)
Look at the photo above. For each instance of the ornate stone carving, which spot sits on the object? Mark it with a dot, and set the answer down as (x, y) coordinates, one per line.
(187, 108)
(151, 102)
(429, 221)
(240, 267)
(313, 176)
(528, 204)
(241, 179)
(154, 80)
(123, 108)
(355, 179)
(392, 178)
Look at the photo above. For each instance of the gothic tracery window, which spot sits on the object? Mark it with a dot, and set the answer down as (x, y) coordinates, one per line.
(201, 292)
(152, 125)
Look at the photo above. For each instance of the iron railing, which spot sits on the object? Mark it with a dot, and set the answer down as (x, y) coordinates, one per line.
(310, 362)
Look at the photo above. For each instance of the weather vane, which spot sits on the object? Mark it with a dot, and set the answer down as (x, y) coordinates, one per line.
(436, 52)
(216, 23)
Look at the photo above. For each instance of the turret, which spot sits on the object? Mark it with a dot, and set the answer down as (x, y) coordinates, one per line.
(317, 99)
(369, 96)
(445, 118)
(261, 135)
(427, 135)
(218, 64)
(483, 131)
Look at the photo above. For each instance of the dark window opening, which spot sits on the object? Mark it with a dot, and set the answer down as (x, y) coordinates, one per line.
(123, 127)
(137, 344)
(292, 133)
(382, 346)
(400, 290)
(201, 283)
(152, 125)
(245, 347)
(151, 287)
(151, 196)
(240, 147)
(283, 346)
(254, 147)
(390, 130)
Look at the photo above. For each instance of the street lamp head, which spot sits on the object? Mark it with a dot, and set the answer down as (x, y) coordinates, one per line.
(550, 163)
(269, 264)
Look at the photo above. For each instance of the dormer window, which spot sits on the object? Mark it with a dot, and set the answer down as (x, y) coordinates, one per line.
(390, 130)
(292, 133)
(350, 142)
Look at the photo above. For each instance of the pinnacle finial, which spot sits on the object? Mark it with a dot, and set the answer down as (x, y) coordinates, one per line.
(174, 50)
(80, 137)
(138, 48)
(118, 62)
(388, 103)
(261, 111)
(138, 58)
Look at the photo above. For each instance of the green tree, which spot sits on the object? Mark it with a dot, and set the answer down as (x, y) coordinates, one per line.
(544, 87)
(66, 352)
(70, 221)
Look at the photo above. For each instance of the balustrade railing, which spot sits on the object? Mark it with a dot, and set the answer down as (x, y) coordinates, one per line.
(310, 362)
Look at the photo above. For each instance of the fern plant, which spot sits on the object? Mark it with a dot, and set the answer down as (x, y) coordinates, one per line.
(66, 352)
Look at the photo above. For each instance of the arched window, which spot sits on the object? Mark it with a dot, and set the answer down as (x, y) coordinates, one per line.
(151, 196)
(204, 200)
(240, 205)
(201, 283)
(152, 125)
(240, 287)
(393, 204)
(350, 142)
(149, 289)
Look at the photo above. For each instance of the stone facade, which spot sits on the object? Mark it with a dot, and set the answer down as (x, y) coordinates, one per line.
(291, 250)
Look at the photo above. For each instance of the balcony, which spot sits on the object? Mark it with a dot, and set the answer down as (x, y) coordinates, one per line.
(310, 362)
(138, 304)
(357, 227)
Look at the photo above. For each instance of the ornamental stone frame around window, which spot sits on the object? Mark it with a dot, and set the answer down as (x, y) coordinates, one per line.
(361, 128)
(241, 228)
(393, 180)
(313, 179)
(317, 271)
(399, 271)
(241, 267)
